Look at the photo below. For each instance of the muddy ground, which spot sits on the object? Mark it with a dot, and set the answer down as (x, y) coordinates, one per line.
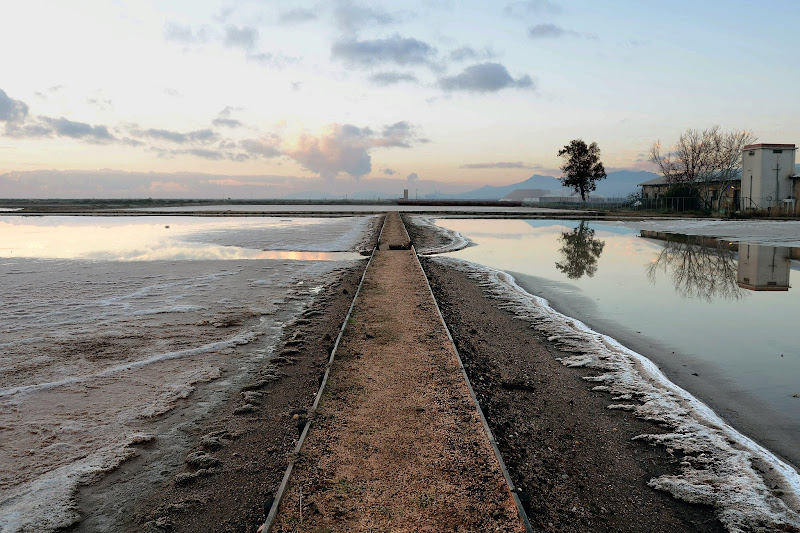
(574, 458)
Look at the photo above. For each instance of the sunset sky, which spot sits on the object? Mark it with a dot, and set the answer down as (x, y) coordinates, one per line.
(109, 98)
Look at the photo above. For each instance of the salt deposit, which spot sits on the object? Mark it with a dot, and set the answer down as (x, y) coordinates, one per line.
(95, 351)
(776, 232)
(750, 488)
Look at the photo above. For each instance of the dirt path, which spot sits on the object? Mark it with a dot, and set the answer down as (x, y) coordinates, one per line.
(396, 443)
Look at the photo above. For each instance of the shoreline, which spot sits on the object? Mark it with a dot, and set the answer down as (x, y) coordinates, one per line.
(703, 449)
(607, 473)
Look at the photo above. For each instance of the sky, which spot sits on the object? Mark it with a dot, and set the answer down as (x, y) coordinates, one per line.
(267, 99)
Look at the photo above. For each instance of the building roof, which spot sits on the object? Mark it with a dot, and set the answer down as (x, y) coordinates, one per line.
(661, 180)
(517, 195)
(767, 145)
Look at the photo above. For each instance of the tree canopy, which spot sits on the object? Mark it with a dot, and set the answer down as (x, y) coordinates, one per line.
(702, 157)
(581, 252)
(582, 167)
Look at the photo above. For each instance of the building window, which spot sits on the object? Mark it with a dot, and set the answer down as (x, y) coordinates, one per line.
(777, 151)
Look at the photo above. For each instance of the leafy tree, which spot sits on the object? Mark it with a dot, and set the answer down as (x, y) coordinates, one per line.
(582, 167)
(581, 252)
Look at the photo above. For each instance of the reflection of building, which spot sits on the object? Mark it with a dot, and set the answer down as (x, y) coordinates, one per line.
(763, 268)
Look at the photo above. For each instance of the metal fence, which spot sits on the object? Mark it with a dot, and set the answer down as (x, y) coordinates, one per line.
(667, 205)
(744, 206)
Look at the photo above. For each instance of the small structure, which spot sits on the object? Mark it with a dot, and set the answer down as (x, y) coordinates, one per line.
(654, 188)
(525, 195)
(768, 176)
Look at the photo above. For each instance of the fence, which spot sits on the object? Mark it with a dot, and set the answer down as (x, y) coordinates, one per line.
(624, 204)
(745, 206)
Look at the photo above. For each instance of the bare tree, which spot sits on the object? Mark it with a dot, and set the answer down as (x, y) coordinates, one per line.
(701, 158)
(699, 268)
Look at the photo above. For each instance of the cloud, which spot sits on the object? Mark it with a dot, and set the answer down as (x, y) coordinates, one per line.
(389, 171)
(551, 31)
(412, 177)
(391, 78)
(484, 78)
(344, 148)
(228, 110)
(268, 59)
(400, 134)
(266, 146)
(185, 34)
(169, 91)
(122, 184)
(50, 90)
(350, 17)
(499, 164)
(467, 53)
(224, 118)
(226, 122)
(244, 37)
(200, 136)
(396, 49)
(101, 102)
(340, 148)
(296, 16)
(12, 110)
(78, 130)
(18, 124)
(536, 7)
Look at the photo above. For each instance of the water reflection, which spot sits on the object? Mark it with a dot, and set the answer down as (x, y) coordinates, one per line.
(580, 251)
(764, 268)
(699, 267)
(143, 239)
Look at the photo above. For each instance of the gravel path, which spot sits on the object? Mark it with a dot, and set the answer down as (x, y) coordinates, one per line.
(396, 444)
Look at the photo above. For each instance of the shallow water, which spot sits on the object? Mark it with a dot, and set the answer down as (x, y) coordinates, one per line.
(109, 323)
(602, 296)
(687, 294)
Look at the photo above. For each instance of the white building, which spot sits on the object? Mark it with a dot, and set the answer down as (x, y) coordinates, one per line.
(767, 176)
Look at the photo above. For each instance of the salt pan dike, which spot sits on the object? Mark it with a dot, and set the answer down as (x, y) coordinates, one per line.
(750, 488)
(109, 324)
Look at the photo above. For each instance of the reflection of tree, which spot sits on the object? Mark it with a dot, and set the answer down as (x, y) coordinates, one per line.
(700, 267)
(581, 252)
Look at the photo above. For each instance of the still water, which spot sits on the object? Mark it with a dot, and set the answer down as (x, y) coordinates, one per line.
(723, 311)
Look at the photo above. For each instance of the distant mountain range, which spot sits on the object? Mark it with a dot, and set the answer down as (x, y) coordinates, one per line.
(616, 184)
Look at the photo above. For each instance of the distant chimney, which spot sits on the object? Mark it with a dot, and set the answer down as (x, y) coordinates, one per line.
(405, 194)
